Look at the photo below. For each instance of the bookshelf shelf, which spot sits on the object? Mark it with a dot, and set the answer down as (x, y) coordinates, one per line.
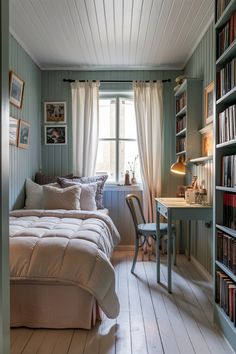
(201, 160)
(181, 89)
(226, 189)
(229, 231)
(226, 14)
(228, 54)
(182, 112)
(181, 153)
(224, 197)
(226, 270)
(182, 132)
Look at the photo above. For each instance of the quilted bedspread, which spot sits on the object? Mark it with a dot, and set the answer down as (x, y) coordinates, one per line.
(68, 247)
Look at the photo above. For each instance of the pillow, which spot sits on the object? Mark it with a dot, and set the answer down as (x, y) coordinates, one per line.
(87, 196)
(34, 195)
(100, 180)
(42, 179)
(61, 198)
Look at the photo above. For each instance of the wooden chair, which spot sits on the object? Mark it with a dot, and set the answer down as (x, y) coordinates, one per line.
(144, 230)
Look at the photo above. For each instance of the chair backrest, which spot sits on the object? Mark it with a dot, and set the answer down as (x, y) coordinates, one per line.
(135, 208)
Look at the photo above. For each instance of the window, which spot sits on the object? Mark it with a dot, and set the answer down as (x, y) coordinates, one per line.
(117, 147)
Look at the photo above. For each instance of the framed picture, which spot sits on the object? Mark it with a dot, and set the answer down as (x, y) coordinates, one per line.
(207, 140)
(55, 112)
(56, 135)
(16, 90)
(209, 91)
(24, 134)
(13, 130)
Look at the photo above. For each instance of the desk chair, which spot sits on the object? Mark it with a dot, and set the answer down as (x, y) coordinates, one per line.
(144, 230)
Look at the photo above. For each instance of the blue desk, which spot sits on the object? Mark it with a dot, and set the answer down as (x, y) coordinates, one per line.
(176, 209)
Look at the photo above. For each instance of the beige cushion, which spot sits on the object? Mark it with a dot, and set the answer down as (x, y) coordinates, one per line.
(61, 198)
(34, 195)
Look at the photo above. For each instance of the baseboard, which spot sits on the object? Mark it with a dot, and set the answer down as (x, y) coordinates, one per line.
(201, 269)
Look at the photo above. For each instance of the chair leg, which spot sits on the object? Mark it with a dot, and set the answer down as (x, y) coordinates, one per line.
(135, 254)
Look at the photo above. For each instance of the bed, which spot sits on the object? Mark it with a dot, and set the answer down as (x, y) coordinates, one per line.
(61, 274)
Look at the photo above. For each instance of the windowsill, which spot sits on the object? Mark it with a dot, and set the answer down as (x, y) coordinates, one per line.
(109, 187)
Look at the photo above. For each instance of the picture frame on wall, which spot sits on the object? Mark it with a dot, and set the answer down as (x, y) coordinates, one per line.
(55, 112)
(24, 134)
(55, 135)
(209, 103)
(13, 130)
(207, 140)
(16, 90)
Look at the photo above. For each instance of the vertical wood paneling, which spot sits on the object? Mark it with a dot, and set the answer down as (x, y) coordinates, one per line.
(201, 66)
(24, 163)
(57, 160)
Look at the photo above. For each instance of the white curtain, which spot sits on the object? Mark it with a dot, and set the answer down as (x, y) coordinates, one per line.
(148, 103)
(85, 99)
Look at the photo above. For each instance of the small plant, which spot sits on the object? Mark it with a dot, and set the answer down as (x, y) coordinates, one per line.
(132, 165)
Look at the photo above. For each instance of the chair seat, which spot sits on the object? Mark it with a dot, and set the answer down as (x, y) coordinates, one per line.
(150, 228)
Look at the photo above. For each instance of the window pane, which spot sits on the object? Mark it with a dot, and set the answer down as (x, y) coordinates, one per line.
(107, 116)
(106, 159)
(128, 150)
(127, 122)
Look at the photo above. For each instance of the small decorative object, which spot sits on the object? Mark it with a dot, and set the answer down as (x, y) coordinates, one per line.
(16, 90)
(209, 103)
(55, 112)
(127, 181)
(55, 135)
(24, 134)
(132, 166)
(13, 130)
(207, 140)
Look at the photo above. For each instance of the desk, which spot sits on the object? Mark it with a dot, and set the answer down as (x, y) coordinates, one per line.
(176, 209)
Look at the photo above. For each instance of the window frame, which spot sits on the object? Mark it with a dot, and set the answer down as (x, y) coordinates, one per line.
(117, 96)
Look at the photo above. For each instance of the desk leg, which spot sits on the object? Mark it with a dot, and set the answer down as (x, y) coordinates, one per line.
(158, 245)
(189, 240)
(169, 262)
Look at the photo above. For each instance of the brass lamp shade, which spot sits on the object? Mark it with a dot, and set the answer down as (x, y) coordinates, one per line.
(179, 166)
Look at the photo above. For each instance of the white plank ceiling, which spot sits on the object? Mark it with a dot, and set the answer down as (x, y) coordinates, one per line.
(115, 34)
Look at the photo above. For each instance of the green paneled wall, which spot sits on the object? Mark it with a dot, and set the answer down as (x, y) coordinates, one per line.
(24, 163)
(201, 65)
(57, 160)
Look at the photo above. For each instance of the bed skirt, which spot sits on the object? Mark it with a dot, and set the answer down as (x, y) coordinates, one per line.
(43, 305)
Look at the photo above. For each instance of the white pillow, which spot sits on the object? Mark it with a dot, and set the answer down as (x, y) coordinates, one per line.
(34, 195)
(61, 198)
(87, 197)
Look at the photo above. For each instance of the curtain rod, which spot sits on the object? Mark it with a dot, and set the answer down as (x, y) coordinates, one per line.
(113, 81)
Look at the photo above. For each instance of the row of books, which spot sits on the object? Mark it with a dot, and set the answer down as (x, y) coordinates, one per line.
(180, 124)
(226, 250)
(226, 295)
(180, 145)
(229, 210)
(220, 7)
(181, 102)
(227, 124)
(226, 78)
(227, 35)
(229, 171)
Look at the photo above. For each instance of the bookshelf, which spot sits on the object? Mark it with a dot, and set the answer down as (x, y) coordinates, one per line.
(188, 116)
(225, 170)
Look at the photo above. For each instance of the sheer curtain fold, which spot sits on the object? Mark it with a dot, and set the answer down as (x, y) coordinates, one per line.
(85, 100)
(148, 102)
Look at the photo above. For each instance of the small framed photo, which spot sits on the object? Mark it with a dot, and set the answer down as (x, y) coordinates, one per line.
(55, 112)
(13, 130)
(16, 90)
(56, 135)
(24, 134)
(209, 94)
(207, 140)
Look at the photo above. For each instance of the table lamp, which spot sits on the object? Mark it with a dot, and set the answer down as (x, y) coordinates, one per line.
(179, 166)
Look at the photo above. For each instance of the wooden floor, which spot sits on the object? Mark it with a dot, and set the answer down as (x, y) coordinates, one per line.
(150, 321)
